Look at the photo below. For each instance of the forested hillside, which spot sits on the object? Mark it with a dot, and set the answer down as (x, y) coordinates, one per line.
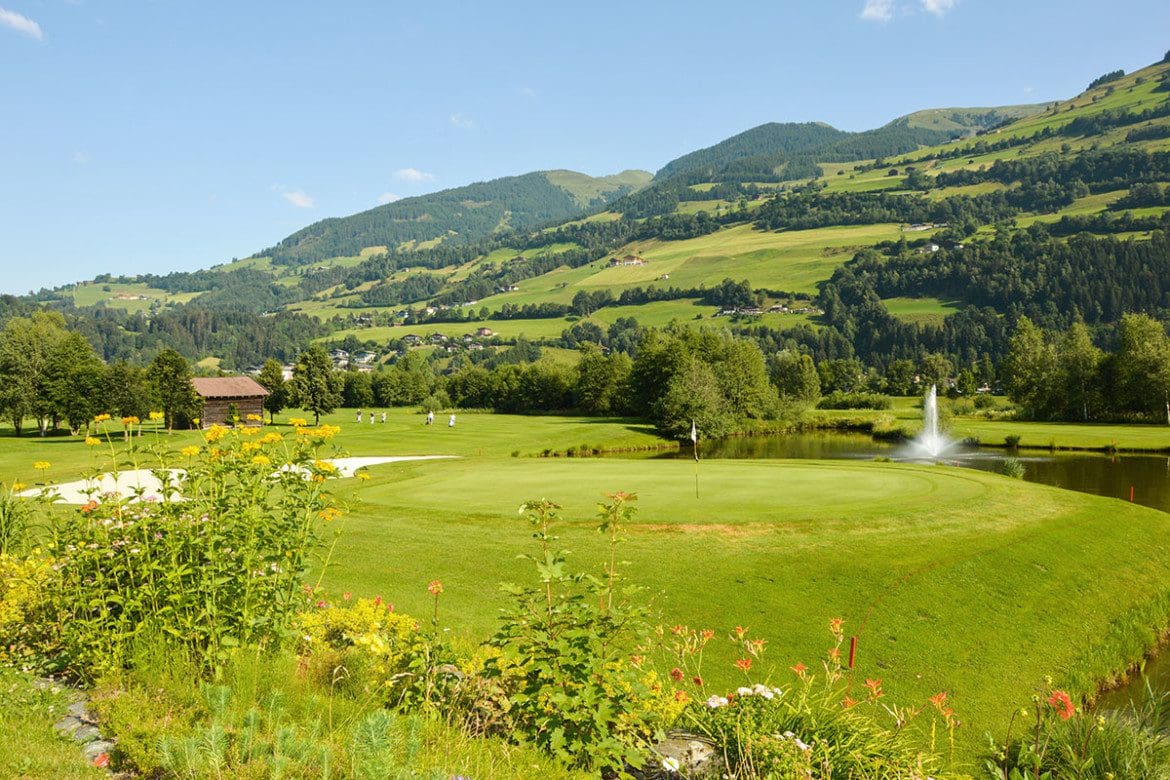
(474, 211)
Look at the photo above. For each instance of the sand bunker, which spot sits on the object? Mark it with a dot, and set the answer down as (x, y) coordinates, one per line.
(131, 482)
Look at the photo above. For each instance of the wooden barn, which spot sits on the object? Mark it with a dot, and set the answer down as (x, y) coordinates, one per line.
(219, 393)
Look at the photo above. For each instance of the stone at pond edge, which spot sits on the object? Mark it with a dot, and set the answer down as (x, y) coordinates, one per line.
(67, 725)
(696, 756)
(95, 749)
(87, 733)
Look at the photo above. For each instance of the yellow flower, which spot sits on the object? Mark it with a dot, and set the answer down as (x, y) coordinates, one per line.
(363, 476)
(249, 431)
(215, 433)
(190, 451)
(156, 416)
(100, 418)
(298, 422)
(194, 420)
(261, 460)
(91, 441)
(324, 465)
(255, 418)
(271, 438)
(17, 487)
(248, 446)
(41, 465)
(329, 514)
(130, 420)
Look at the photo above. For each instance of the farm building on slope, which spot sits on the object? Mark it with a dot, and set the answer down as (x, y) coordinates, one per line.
(219, 394)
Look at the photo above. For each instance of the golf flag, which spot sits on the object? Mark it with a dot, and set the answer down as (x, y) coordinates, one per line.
(695, 439)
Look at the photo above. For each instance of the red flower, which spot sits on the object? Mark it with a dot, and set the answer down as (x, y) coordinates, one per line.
(678, 629)
(848, 702)
(103, 760)
(681, 696)
(875, 688)
(377, 601)
(938, 699)
(707, 633)
(1062, 703)
(697, 680)
(740, 632)
(676, 674)
(835, 625)
(799, 669)
(744, 664)
(435, 587)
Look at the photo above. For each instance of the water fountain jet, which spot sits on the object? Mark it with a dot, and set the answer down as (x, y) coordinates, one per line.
(931, 443)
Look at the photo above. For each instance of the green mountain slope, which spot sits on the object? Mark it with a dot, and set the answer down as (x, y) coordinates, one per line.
(471, 212)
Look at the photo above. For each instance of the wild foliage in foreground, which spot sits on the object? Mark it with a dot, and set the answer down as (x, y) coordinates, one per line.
(215, 560)
(1054, 739)
(569, 671)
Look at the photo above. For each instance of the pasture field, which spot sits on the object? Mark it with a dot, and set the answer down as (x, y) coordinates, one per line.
(930, 311)
(138, 296)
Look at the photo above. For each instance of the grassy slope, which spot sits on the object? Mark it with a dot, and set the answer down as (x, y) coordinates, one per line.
(26, 726)
(903, 553)
(586, 188)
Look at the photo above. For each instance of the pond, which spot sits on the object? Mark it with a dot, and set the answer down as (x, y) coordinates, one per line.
(1100, 474)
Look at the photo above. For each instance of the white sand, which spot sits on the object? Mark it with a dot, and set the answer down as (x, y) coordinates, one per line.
(129, 482)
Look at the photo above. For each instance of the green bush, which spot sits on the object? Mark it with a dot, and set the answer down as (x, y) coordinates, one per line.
(815, 728)
(213, 563)
(563, 664)
(839, 399)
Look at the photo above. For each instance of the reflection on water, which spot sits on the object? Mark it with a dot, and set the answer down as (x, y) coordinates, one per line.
(1103, 475)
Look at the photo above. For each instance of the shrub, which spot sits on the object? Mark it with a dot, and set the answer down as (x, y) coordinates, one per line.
(1012, 467)
(564, 663)
(367, 648)
(27, 624)
(1012, 441)
(216, 567)
(816, 728)
(841, 400)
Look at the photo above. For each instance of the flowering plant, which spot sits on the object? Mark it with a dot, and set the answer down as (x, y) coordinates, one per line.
(211, 561)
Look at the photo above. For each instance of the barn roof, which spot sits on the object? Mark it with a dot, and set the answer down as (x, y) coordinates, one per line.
(228, 387)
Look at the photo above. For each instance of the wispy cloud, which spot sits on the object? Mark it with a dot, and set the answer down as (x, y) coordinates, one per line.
(80, 157)
(527, 92)
(388, 197)
(938, 7)
(21, 24)
(299, 198)
(462, 121)
(878, 10)
(413, 175)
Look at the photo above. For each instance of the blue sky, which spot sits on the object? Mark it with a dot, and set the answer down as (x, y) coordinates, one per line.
(142, 137)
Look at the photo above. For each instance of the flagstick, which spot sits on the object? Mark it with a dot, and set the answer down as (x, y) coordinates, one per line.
(696, 467)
